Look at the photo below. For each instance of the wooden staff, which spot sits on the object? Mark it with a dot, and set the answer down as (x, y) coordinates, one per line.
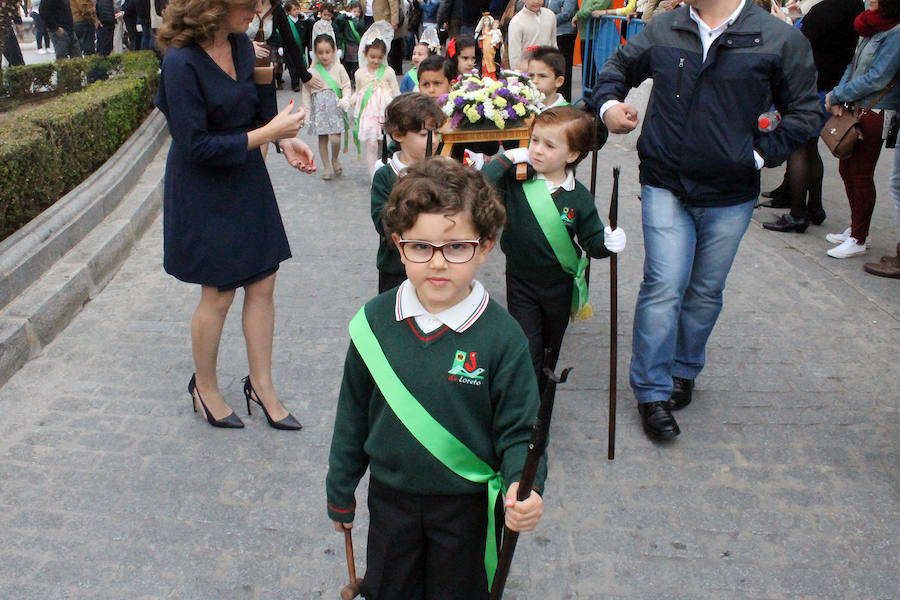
(613, 316)
(351, 590)
(536, 447)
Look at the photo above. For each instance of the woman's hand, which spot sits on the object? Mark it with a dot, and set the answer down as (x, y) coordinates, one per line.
(261, 50)
(299, 156)
(286, 124)
(315, 84)
(835, 109)
(597, 13)
(523, 516)
(574, 21)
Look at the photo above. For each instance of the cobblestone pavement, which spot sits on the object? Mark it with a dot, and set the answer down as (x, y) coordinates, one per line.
(783, 485)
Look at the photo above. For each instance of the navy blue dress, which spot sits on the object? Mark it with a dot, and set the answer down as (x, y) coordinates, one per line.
(221, 225)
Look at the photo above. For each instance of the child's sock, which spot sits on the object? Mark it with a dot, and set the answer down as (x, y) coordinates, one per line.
(335, 139)
(373, 153)
(323, 151)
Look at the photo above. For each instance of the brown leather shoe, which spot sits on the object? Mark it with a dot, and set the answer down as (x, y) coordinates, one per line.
(888, 267)
(887, 259)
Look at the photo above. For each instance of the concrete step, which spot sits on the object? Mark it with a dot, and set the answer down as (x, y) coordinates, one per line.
(66, 256)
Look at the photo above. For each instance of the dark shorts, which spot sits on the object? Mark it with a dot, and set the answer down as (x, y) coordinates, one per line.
(425, 546)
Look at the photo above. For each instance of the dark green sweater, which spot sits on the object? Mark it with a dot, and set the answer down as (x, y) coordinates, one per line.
(388, 257)
(492, 415)
(528, 253)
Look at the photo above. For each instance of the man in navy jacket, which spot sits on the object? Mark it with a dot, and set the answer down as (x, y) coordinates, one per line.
(716, 66)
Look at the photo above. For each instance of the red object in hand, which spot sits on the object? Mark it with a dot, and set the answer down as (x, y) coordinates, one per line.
(768, 121)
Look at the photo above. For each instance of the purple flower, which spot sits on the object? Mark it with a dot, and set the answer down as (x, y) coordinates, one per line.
(512, 114)
(442, 99)
(503, 92)
(456, 120)
(480, 109)
(459, 101)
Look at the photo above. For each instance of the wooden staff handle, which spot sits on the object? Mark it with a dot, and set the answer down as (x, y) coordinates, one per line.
(351, 590)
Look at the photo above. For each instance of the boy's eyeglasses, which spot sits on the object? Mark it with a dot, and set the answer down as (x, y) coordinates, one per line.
(457, 251)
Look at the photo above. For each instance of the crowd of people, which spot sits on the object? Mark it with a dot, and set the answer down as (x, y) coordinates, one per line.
(857, 53)
(76, 28)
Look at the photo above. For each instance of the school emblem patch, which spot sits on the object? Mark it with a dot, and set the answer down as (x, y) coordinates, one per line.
(567, 215)
(465, 368)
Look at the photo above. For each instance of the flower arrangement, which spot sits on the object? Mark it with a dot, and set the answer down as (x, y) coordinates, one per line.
(509, 98)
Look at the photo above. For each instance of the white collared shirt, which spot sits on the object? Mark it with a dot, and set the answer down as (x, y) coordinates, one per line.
(459, 317)
(558, 101)
(396, 164)
(708, 35)
(568, 183)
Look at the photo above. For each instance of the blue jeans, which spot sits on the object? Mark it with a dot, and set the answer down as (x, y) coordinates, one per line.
(146, 34)
(688, 253)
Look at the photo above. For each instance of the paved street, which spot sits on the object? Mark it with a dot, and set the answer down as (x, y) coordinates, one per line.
(784, 484)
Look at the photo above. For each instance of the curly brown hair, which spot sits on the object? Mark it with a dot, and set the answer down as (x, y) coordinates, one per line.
(188, 22)
(411, 111)
(439, 185)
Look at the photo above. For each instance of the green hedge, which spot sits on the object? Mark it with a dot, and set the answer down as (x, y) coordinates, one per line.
(21, 82)
(52, 148)
(73, 74)
(27, 161)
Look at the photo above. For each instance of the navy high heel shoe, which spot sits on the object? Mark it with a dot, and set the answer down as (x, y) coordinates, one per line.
(232, 421)
(288, 423)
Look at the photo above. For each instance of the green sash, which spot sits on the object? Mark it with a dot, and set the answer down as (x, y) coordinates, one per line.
(365, 100)
(297, 39)
(442, 444)
(414, 75)
(353, 29)
(547, 216)
(327, 78)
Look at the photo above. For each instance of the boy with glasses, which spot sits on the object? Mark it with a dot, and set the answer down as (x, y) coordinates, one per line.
(437, 400)
(408, 119)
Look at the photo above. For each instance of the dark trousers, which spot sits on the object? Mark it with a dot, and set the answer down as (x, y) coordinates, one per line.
(146, 34)
(543, 311)
(65, 45)
(105, 38)
(351, 68)
(425, 547)
(858, 173)
(566, 45)
(293, 70)
(388, 281)
(12, 51)
(132, 35)
(395, 55)
(86, 35)
(41, 35)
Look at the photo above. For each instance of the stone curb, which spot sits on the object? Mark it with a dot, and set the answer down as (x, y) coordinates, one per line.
(65, 256)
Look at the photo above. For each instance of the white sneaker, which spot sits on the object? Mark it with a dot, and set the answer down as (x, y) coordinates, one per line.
(847, 248)
(840, 238)
(41, 51)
